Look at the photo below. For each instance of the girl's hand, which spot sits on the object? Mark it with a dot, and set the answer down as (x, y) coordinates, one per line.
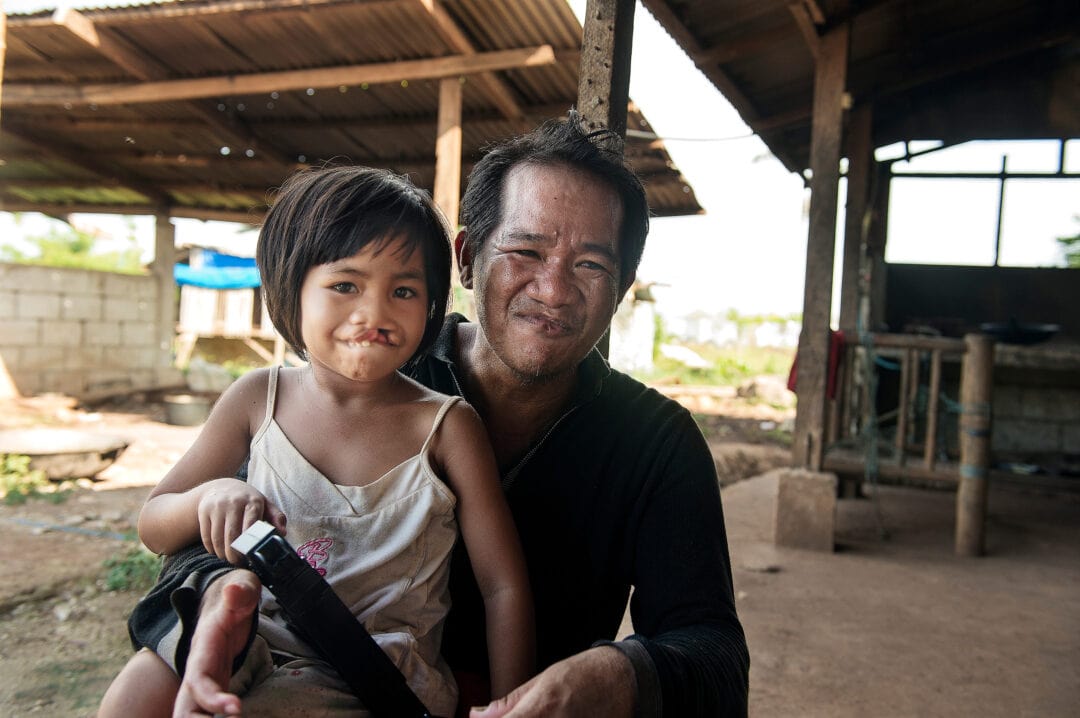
(227, 507)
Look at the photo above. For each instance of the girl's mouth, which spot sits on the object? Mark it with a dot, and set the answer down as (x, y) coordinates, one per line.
(371, 336)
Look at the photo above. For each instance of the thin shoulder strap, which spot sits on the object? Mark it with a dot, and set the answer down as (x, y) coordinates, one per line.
(450, 401)
(271, 399)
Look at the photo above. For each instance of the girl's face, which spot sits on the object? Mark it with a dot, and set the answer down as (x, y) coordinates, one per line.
(362, 317)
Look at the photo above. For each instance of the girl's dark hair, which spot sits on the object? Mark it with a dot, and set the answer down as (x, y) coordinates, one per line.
(326, 214)
(559, 142)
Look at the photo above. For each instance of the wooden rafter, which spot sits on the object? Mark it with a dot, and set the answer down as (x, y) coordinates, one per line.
(282, 81)
(490, 85)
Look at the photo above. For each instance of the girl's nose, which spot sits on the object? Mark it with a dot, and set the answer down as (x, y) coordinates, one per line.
(368, 310)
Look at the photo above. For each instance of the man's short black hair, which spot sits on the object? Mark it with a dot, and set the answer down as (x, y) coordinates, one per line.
(326, 214)
(559, 142)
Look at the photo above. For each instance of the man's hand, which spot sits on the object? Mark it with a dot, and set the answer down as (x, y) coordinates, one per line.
(221, 633)
(596, 682)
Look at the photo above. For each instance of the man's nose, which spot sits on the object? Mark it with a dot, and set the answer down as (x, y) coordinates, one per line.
(553, 284)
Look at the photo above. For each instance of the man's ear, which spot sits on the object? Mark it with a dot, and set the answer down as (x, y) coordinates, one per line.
(464, 259)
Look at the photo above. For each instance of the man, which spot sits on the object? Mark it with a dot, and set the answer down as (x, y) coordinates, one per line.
(611, 485)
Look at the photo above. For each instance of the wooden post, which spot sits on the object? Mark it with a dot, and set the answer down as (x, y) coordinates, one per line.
(976, 383)
(860, 154)
(930, 450)
(830, 76)
(902, 404)
(162, 268)
(3, 47)
(448, 150)
(604, 73)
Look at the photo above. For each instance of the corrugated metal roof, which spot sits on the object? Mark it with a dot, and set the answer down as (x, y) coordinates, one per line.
(211, 155)
(950, 70)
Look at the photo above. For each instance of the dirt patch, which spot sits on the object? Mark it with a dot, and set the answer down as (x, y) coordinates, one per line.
(63, 636)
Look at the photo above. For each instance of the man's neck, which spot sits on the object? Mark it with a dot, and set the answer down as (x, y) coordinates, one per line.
(516, 411)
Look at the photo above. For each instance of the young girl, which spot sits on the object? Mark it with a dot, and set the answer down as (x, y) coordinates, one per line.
(369, 473)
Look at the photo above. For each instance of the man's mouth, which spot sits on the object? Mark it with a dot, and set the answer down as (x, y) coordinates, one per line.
(549, 325)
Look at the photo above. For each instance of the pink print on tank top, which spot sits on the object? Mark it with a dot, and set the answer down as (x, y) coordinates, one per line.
(316, 552)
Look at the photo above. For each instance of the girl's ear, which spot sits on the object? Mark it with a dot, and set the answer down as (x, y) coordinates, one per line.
(464, 258)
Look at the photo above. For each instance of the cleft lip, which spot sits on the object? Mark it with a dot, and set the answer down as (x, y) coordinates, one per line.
(371, 336)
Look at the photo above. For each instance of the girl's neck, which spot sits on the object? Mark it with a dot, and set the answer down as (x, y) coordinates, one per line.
(323, 385)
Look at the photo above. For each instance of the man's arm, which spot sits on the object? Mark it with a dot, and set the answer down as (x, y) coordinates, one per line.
(689, 654)
(683, 605)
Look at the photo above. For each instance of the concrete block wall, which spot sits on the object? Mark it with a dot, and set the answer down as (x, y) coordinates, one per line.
(82, 333)
(1036, 419)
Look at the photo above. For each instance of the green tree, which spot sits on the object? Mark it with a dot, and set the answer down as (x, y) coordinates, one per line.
(1071, 247)
(67, 246)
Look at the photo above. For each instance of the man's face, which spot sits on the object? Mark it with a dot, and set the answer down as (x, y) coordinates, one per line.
(546, 281)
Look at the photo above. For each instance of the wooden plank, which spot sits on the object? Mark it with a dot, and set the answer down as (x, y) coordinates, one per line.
(829, 80)
(21, 95)
(448, 150)
(918, 341)
(604, 71)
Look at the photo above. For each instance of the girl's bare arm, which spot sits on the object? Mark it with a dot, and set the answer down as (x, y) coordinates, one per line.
(491, 539)
(193, 501)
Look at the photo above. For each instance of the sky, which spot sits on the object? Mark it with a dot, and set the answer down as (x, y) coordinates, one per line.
(747, 252)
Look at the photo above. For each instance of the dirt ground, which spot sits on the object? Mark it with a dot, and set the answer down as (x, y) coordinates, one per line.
(892, 624)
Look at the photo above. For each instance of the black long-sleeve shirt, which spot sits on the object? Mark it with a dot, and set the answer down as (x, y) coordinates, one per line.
(620, 492)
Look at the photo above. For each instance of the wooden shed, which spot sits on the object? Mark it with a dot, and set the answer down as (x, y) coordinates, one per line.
(821, 81)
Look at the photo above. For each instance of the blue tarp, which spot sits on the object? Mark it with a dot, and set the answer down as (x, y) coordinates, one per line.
(217, 270)
(218, 277)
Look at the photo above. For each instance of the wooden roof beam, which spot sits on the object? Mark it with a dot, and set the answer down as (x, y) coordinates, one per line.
(744, 46)
(144, 67)
(806, 14)
(492, 86)
(59, 210)
(116, 50)
(27, 94)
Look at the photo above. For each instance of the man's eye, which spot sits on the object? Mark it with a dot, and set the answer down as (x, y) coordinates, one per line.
(531, 253)
(595, 266)
(405, 293)
(343, 287)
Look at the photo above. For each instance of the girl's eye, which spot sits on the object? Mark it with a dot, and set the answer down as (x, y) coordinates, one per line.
(343, 287)
(405, 293)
